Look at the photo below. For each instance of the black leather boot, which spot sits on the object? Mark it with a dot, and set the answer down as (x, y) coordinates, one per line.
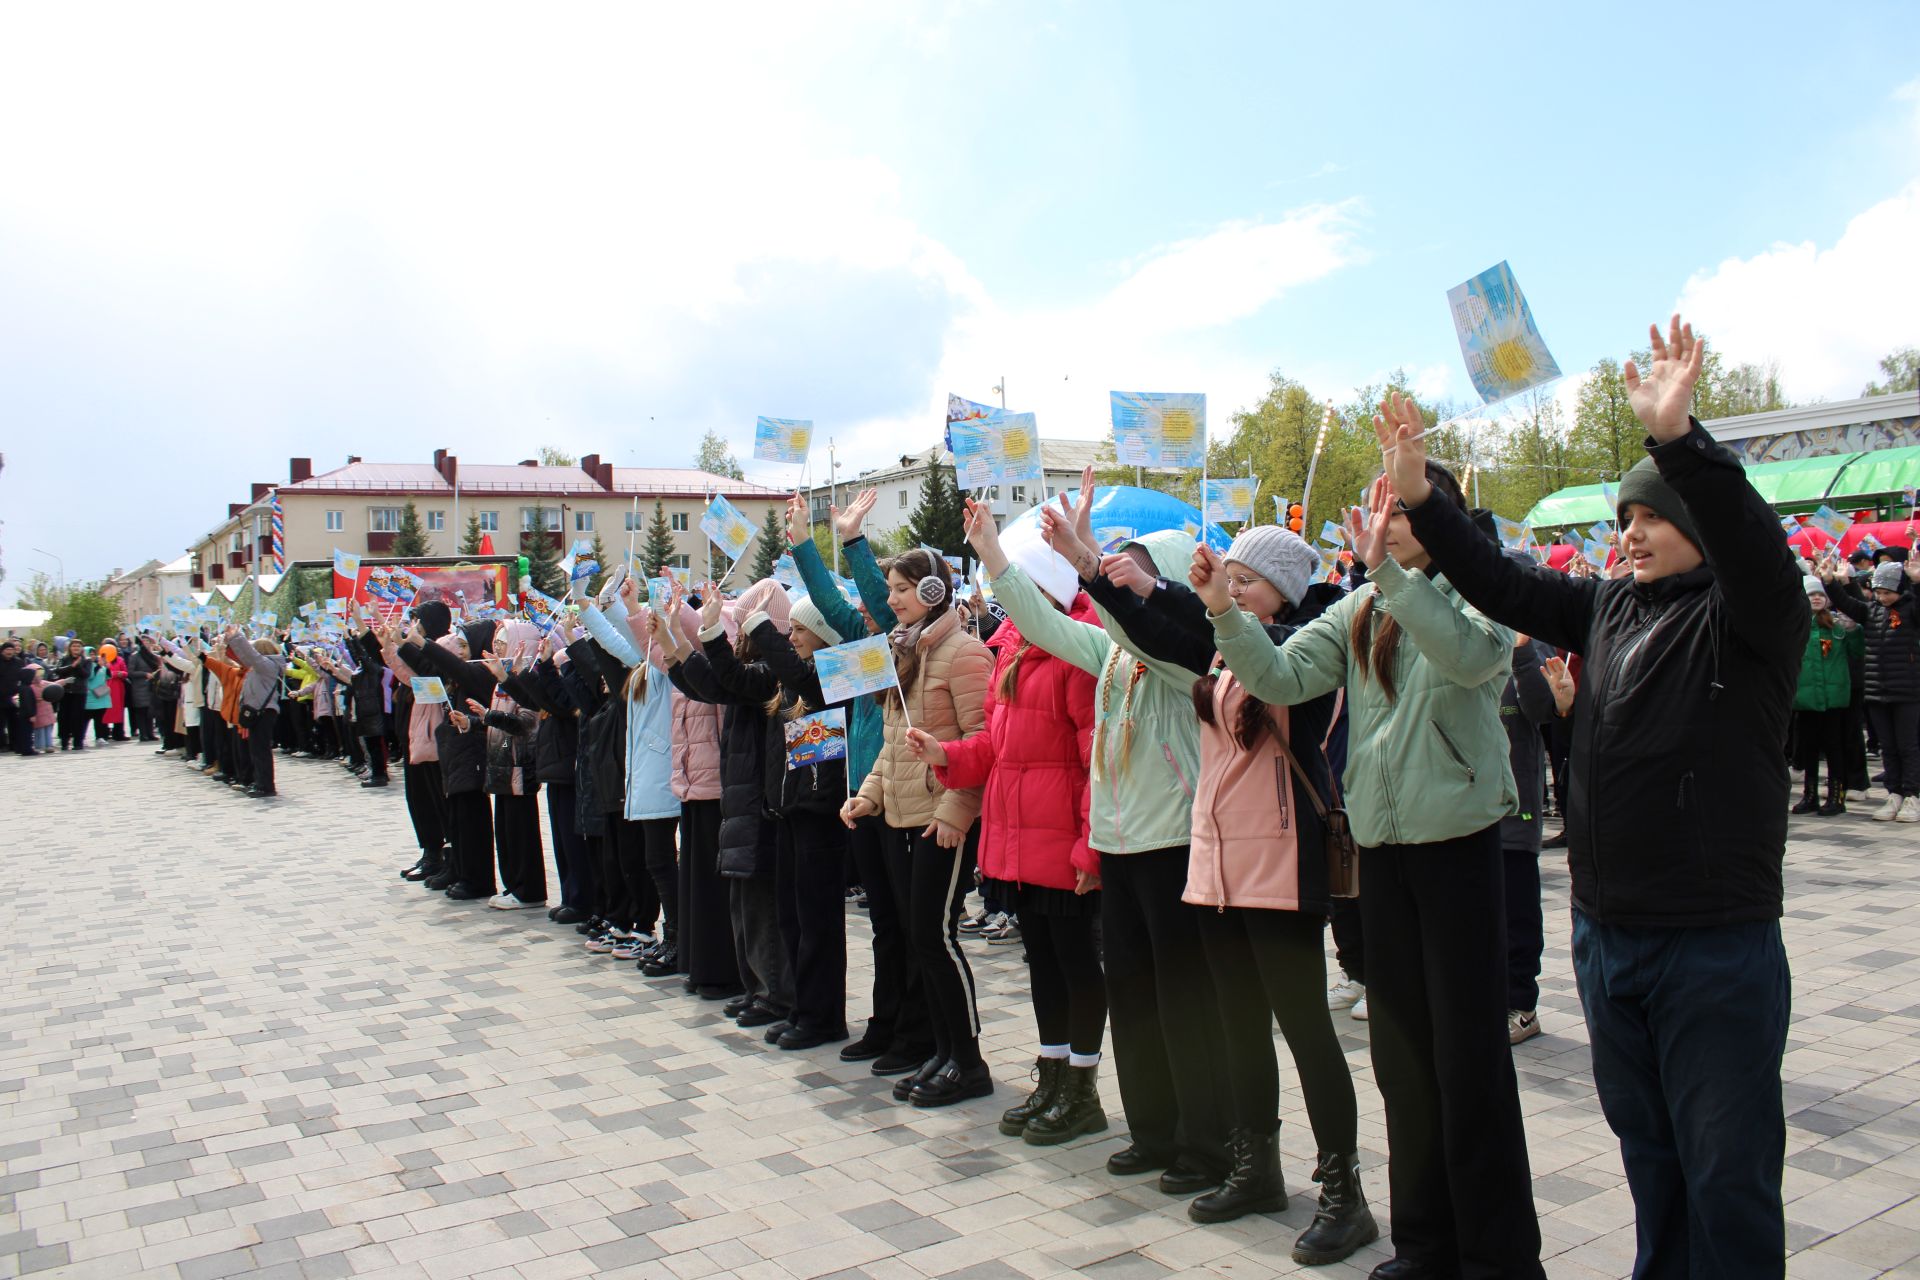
(1133, 1159)
(1836, 800)
(1809, 795)
(1046, 1075)
(1253, 1185)
(1343, 1223)
(1075, 1110)
(903, 1087)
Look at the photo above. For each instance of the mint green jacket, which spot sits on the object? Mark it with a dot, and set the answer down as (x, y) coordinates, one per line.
(1146, 738)
(1431, 764)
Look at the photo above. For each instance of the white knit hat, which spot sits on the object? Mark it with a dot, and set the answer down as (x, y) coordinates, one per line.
(1814, 586)
(807, 614)
(1048, 568)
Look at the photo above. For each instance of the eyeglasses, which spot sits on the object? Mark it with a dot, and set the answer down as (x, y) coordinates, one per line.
(1243, 580)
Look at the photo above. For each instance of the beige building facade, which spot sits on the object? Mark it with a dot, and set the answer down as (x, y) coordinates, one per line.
(357, 507)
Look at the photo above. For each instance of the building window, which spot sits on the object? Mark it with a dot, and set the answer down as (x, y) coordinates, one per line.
(384, 519)
(336, 521)
(436, 521)
(635, 521)
(583, 521)
(993, 494)
(489, 522)
(1019, 493)
(903, 499)
(236, 541)
(680, 523)
(682, 562)
(551, 516)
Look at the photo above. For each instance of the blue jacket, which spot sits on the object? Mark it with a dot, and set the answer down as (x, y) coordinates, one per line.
(865, 729)
(649, 725)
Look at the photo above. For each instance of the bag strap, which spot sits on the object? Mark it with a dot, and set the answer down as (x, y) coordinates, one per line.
(1319, 805)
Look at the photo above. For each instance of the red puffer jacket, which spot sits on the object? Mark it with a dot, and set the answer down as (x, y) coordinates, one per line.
(1032, 759)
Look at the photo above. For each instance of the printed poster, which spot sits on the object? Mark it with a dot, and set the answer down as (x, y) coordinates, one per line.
(727, 528)
(1231, 498)
(1001, 449)
(429, 689)
(1159, 428)
(345, 564)
(782, 439)
(1504, 351)
(817, 738)
(852, 670)
(1514, 536)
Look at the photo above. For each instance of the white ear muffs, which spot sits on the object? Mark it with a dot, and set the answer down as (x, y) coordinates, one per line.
(932, 590)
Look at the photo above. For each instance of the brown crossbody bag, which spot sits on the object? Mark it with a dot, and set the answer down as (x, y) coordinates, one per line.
(1343, 855)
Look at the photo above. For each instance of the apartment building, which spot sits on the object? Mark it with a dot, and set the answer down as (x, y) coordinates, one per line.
(357, 507)
(899, 484)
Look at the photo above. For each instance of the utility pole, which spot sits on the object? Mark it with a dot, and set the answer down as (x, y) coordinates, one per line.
(833, 500)
(256, 563)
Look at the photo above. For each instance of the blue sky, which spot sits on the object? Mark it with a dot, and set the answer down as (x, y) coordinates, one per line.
(232, 238)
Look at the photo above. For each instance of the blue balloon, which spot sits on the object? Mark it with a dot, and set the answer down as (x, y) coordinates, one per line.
(1143, 511)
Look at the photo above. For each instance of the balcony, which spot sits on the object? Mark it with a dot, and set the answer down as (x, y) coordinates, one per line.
(219, 571)
(236, 559)
(555, 539)
(199, 582)
(380, 544)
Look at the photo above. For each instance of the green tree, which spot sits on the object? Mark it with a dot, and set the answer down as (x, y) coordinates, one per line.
(939, 519)
(657, 552)
(543, 558)
(1727, 391)
(1902, 372)
(1528, 458)
(772, 544)
(716, 458)
(84, 612)
(552, 457)
(410, 539)
(600, 558)
(470, 540)
(1605, 439)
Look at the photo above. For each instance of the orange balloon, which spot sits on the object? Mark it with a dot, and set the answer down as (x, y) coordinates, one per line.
(109, 652)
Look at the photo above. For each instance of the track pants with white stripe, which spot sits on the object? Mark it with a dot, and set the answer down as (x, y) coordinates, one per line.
(938, 881)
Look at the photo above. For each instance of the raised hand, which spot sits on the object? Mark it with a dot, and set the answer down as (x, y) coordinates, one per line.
(846, 524)
(1403, 447)
(1125, 571)
(1369, 541)
(796, 520)
(1663, 394)
(497, 668)
(926, 748)
(984, 537)
(1560, 680)
(1209, 579)
(1083, 513)
(476, 708)
(629, 590)
(710, 606)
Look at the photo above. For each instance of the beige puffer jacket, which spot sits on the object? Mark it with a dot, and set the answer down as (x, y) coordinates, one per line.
(949, 701)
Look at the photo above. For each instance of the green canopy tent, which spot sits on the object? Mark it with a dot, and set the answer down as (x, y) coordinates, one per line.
(1789, 484)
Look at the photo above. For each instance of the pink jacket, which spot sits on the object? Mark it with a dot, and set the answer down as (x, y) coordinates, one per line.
(44, 712)
(696, 748)
(1246, 842)
(1032, 760)
(425, 716)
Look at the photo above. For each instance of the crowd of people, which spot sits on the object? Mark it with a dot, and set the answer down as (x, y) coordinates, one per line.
(1172, 768)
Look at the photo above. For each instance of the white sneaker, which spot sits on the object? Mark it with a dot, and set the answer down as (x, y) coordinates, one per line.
(1909, 810)
(1856, 795)
(1522, 1024)
(1889, 811)
(1345, 993)
(992, 925)
(507, 902)
(1360, 1009)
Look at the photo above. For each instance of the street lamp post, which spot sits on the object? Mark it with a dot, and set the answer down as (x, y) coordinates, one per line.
(60, 564)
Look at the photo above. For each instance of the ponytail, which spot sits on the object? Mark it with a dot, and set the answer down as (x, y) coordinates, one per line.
(1374, 637)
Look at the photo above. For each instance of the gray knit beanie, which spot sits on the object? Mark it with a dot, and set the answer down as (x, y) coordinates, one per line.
(1645, 485)
(1279, 555)
(1889, 577)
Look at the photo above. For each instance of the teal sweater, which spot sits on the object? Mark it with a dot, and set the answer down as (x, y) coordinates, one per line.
(864, 733)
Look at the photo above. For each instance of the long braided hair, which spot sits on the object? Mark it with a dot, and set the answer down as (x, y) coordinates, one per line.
(1374, 636)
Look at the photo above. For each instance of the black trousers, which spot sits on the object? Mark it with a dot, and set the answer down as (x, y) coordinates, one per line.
(1437, 998)
(810, 878)
(260, 750)
(570, 861)
(706, 931)
(375, 746)
(634, 844)
(426, 803)
(616, 905)
(516, 842)
(165, 712)
(1167, 1046)
(1268, 965)
(760, 960)
(1069, 989)
(140, 721)
(936, 882)
(663, 878)
(1897, 725)
(1526, 926)
(899, 1016)
(71, 718)
(1350, 939)
(240, 756)
(192, 739)
(1817, 736)
(470, 828)
(19, 730)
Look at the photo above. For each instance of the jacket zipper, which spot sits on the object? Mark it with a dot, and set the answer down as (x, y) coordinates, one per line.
(1454, 751)
(1614, 666)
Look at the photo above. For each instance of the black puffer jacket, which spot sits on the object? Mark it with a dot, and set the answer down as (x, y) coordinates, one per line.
(816, 788)
(1677, 803)
(1525, 705)
(463, 680)
(463, 757)
(369, 687)
(556, 736)
(580, 681)
(746, 827)
(510, 748)
(1893, 642)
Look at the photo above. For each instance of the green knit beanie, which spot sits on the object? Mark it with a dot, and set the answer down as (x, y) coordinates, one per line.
(1645, 485)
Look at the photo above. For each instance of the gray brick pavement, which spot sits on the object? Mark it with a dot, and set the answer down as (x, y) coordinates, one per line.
(234, 1043)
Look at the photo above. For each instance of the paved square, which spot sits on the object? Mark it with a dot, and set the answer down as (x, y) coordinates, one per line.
(233, 1042)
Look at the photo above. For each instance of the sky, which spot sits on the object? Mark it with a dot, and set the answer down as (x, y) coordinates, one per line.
(231, 234)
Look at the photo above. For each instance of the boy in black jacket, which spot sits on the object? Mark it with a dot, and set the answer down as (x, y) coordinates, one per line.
(1677, 813)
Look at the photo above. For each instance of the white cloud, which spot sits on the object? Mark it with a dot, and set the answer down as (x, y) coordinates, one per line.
(1826, 314)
